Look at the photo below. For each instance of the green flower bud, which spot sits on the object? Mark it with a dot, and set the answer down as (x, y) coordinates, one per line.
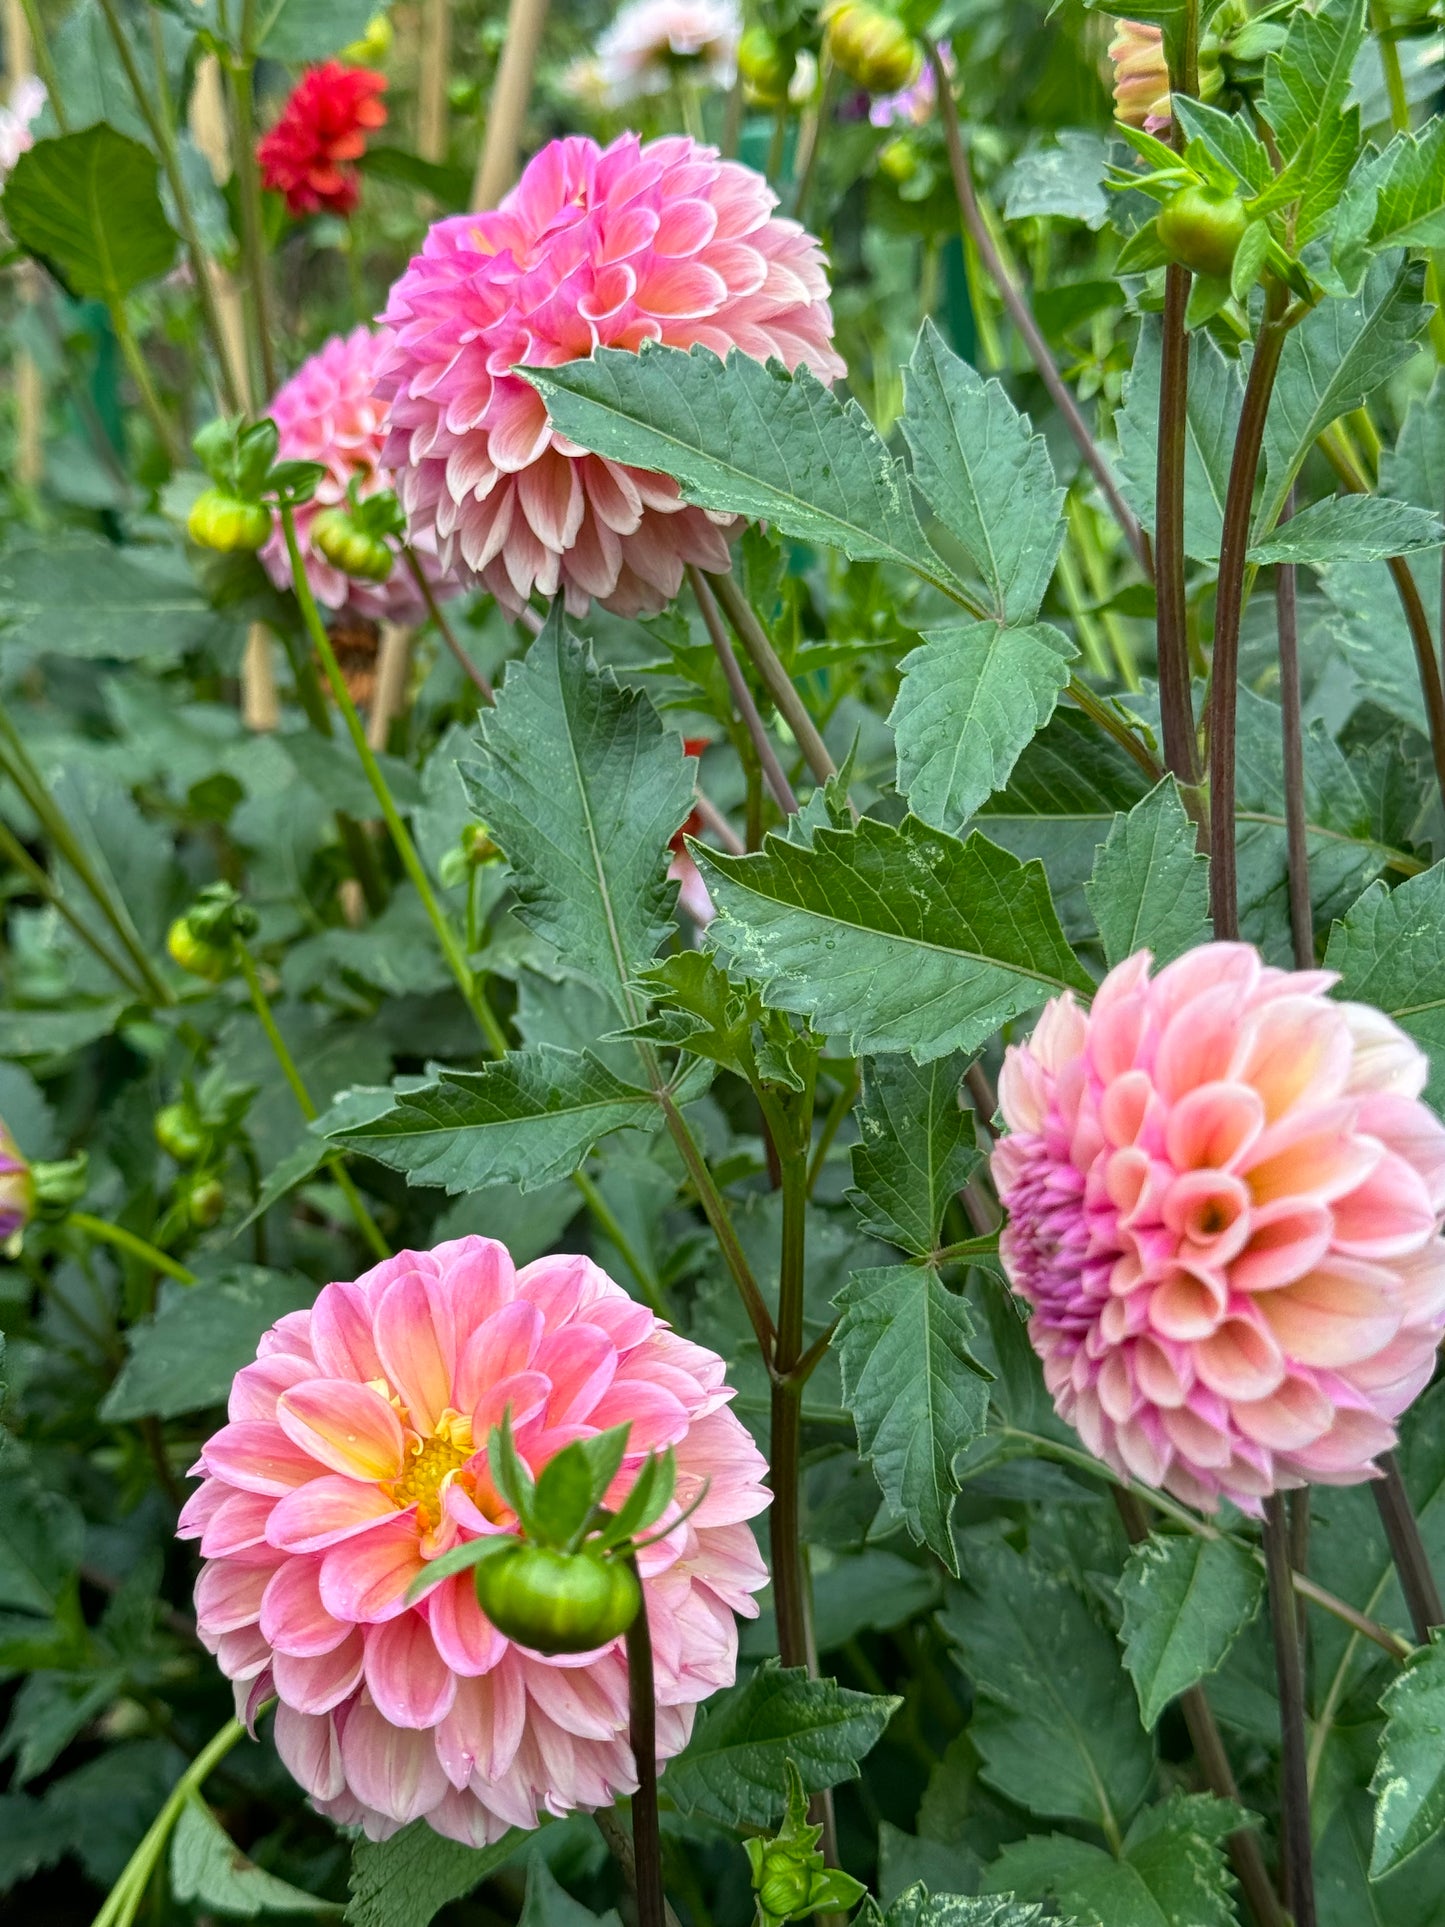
(557, 1602)
(1201, 227)
(873, 48)
(336, 535)
(219, 520)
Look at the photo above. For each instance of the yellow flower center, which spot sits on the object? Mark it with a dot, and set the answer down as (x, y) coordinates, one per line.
(430, 1463)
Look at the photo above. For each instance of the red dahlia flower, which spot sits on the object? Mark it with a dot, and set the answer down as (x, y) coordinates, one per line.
(309, 154)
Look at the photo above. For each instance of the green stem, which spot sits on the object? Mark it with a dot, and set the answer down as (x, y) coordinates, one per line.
(149, 399)
(401, 837)
(103, 1232)
(1228, 610)
(1091, 554)
(1114, 726)
(785, 1456)
(776, 680)
(443, 627)
(642, 1733)
(982, 1247)
(766, 756)
(261, 1004)
(832, 1124)
(248, 185)
(124, 1899)
(15, 763)
(12, 847)
(1085, 627)
(611, 1229)
(162, 134)
(1176, 710)
(44, 64)
(1299, 1887)
(1390, 63)
(716, 1213)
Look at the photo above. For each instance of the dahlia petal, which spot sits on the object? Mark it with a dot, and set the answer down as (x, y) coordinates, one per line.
(257, 1456)
(323, 1681)
(309, 1746)
(366, 1579)
(390, 1768)
(347, 1427)
(1340, 1313)
(325, 1511)
(464, 1636)
(292, 1615)
(411, 1351)
(1240, 1359)
(406, 1676)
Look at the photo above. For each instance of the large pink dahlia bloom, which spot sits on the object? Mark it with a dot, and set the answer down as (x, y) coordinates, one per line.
(328, 413)
(592, 248)
(1224, 1200)
(356, 1452)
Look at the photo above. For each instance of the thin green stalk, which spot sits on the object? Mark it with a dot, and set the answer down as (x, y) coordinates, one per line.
(716, 1212)
(12, 847)
(1296, 812)
(785, 1457)
(766, 756)
(1096, 572)
(980, 1247)
(642, 1733)
(141, 375)
(1228, 610)
(611, 1229)
(1176, 711)
(1299, 1886)
(44, 63)
(405, 848)
(832, 1124)
(443, 627)
(261, 1004)
(15, 762)
(1114, 726)
(163, 135)
(248, 183)
(811, 140)
(123, 1901)
(1383, 31)
(776, 680)
(105, 1233)
(1075, 601)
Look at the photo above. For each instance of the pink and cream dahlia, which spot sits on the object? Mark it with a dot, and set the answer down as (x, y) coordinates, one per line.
(357, 1451)
(1141, 76)
(652, 42)
(1224, 1200)
(328, 413)
(593, 248)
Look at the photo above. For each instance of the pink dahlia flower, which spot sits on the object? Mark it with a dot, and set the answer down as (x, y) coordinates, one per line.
(1224, 1200)
(1141, 76)
(357, 1451)
(593, 247)
(17, 1186)
(328, 413)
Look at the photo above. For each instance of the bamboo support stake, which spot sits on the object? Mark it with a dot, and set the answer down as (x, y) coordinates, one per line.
(511, 95)
(431, 93)
(392, 666)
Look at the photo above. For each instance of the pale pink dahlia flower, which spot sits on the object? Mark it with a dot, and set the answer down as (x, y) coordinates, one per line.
(650, 42)
(1224, 1200)
(328, 413)
(357, 1451)
(593, 247)
(1141, 76)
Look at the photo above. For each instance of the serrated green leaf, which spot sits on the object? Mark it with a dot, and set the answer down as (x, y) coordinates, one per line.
(735, 1768)
(918, 1908)
(1409, 1780)
(1306, 82)
(41, 1535)
(1351, 528)
(1056, 1724)
(581, 787)
(548, 1905)
(917, 1395)
(969, 701)
(1413, 1897)
(1065, 179)
(1390, 951)
(1150, 885)
(1404, 190)
(985, 474)
(531, 1117)
(915, 1148)
(1249, 259)
(406, 1881)
(1414, 469)
(1185, 1600)
(748, 440)
(1229, 139)
(1216, 392)
(78, 596)
(207, 1868)
(89, 204)
(1170, 1873)
(184, 1357)
(1336, 358)
(899, 937)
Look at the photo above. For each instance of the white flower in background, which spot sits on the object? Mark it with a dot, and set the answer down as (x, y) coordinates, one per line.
(17, 121)
(652, 41)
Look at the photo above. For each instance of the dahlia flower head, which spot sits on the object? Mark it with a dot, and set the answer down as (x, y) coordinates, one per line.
(17, 121)
(310, 155)
(1141, 76)
(17, 1187)
(593, 248)
(328, 413)
(1224, 1200)
(356, 1453)
(651, 42)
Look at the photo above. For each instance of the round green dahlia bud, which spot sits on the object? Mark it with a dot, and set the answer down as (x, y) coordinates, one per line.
(205, 1200)
(871, 47)
(197, 954)
(219, 520)
(179, 1132)
(766, 69)
(351, 549)
(557, 1602)
(1202, 228)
